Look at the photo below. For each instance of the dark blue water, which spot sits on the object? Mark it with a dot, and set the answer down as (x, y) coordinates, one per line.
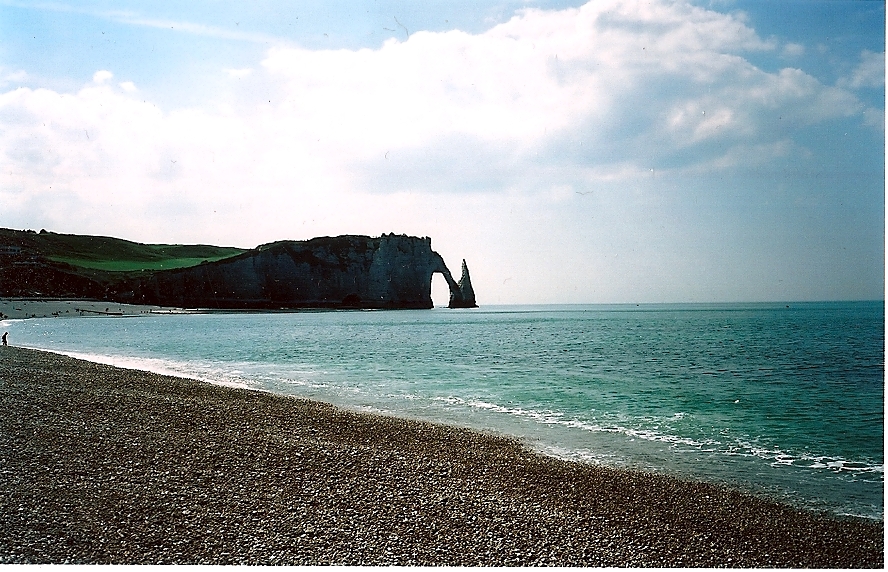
(776, 399)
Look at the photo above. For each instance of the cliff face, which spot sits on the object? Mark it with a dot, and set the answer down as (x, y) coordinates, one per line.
(392, 271)
(27, 278)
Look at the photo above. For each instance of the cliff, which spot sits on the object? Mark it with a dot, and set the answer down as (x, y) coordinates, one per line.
(392, 271)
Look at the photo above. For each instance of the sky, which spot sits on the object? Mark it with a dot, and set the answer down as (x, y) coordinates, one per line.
(613, 151)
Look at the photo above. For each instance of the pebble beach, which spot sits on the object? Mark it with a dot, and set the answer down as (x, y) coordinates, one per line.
(101, 465)
(20, 308)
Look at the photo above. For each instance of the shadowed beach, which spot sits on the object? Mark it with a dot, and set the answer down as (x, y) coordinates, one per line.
(106, 465)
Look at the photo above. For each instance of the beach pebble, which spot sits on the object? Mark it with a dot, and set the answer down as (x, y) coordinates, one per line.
(107, 466)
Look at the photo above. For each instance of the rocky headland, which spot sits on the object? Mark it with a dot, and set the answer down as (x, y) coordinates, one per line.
(391, 271)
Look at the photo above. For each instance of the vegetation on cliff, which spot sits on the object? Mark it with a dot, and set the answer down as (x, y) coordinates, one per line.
(107, 253)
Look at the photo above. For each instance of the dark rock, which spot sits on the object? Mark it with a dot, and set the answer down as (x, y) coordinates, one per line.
(464, 296)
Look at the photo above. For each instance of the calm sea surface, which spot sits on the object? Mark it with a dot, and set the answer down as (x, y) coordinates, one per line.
(776, 399)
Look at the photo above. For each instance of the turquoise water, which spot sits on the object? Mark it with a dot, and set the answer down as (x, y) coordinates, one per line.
(779, 400)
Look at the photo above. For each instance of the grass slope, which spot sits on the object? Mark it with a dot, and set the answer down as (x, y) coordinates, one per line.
(112, 254)
(130, 265)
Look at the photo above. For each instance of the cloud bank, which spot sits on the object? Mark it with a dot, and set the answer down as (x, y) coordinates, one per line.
(545, 109)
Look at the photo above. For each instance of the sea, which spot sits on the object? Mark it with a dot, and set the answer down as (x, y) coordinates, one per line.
(784, 400)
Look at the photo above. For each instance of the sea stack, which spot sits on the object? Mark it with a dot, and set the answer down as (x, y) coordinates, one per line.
(465, 296)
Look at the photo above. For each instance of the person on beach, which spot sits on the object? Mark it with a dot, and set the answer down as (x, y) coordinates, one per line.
(4, 337)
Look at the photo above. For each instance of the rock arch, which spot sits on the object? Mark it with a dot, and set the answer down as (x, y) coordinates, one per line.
(462, 295)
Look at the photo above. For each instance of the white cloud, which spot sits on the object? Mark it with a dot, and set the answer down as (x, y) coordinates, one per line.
(627, 80)
(874, 117)
(191, 28)
(870, 72)
(748, 156)
(792, 50)
(12, 77)
(102, 76)
(544, 103)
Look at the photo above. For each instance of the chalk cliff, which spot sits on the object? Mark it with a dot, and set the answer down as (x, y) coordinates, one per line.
(391, 271)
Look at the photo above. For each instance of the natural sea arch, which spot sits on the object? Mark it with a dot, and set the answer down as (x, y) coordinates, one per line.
(440, 290)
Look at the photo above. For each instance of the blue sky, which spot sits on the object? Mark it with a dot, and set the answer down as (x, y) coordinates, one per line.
(609, 151)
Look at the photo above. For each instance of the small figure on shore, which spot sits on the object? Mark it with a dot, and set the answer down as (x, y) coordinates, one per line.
(4, 337)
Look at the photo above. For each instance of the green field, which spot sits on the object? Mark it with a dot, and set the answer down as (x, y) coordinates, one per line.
(112, 254)
(131, 265)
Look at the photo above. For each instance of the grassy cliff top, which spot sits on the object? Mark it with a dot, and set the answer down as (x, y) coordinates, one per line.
(112, 254)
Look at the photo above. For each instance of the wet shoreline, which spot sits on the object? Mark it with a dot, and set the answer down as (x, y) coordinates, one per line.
(106, 465)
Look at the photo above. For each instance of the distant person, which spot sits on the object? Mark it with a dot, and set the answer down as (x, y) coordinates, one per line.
(4, 337)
